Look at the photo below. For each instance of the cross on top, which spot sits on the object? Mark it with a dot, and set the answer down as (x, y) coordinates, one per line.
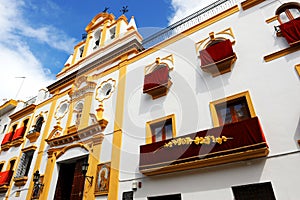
(124, 10)
(105, 9)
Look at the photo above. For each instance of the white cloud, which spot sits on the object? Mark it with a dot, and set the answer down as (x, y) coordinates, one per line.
(16, 58)
(183, 8)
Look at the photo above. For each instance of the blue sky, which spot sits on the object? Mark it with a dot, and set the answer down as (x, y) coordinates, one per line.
(37, 36)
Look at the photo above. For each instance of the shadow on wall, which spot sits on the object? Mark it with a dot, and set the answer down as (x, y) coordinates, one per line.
(297, 134)
(205, 179)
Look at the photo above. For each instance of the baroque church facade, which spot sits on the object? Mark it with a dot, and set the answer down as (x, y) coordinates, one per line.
(207, 108)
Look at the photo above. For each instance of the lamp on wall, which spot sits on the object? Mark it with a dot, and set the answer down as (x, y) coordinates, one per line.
(38, 186)
(84, 169)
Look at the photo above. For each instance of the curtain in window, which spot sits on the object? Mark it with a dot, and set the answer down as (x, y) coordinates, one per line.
(159, 77)
(291, 31)
(216, 52)
(5, 177)
(19, 133)
(7, 138)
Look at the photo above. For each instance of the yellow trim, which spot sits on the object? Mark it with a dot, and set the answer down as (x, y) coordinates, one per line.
(70, 116)
(14, 169)
(74, 56)
(8, 163)
(297, 67)
(212, 105)
(272, 19)
(283, 52)
(118, 27)
(66, 148)
(88, 101)
(149, 123)
(250, 3)
(103, 34)
(117, 137)
(42, 147)
(86, 46)
(10, 102)
(30, 148)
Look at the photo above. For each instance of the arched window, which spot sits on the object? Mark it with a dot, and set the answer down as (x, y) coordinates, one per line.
(38, 124)
(288, 16)
(288, 11)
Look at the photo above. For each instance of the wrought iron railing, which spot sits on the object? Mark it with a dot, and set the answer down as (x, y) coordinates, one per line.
(188, 22)
(30, 101)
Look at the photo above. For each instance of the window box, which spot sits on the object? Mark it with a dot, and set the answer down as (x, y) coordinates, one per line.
(244, 140)
(33, 135)
(20, 181)
(157, 81)
(218, 57)
(5, 145)
(5, 178)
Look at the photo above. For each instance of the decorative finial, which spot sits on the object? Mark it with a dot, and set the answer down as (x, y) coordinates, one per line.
(124, 9)
(105, 9)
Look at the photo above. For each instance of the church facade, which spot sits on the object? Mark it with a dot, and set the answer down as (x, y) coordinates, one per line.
(207, 108)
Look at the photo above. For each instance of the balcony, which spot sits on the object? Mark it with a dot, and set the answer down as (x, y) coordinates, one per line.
(5, 178)
(5, 144)
(233, 142)
(157, 82)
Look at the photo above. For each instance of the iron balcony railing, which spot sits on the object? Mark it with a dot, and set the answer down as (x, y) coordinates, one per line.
(188, 22)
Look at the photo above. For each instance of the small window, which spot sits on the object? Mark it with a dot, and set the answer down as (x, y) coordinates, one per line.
(254, 191)
(25, 163)
(97, 38)
(161, 129)
(112, 32)
(166, 197)
(38, 124)
(12, 164)
(81, 51)
(232, 109)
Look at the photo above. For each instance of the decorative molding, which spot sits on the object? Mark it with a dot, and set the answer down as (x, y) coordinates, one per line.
(272, 19)
(21, 181)
(109, 82)
(58, 116)
(5, 147)
(33, 136)
(250, 3)
(297, 67)
(202, 44)
(74, 136)
(63, 150)
(17, 142)
(30, 148)
(281, 53)
(21, 113)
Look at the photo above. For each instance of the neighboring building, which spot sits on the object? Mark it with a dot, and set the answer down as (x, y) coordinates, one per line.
(205, 109)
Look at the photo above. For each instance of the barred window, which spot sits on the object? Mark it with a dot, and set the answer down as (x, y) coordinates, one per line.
(25, 163)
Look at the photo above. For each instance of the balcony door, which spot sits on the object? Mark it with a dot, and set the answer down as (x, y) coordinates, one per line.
(70, 183)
